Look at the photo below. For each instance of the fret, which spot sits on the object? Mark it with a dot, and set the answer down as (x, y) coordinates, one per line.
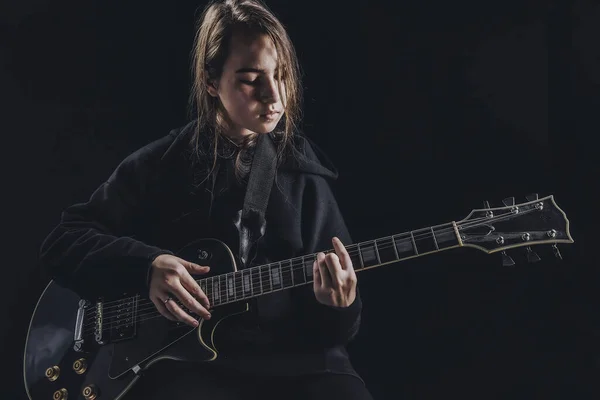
(265, 279)
(247, 283)
(223, 288)
(202, 284)
(230, 286)
(292, 272)
(405, 245)
(281, 269)
(289, 266)
(424, 241)
(308, 262)
(445, 236)
(256, 281)
(215, 289)
(377, 251)
(303, 267)
(434, 239)
(298, 272)
(276, 278)
(368, 254)
(412, 237)
(356, 257)
(360, 256)
(237, 285)
(286, 272)
(386, 250)
(395, 248)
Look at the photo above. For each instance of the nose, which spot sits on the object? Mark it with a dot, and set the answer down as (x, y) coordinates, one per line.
(269, 92)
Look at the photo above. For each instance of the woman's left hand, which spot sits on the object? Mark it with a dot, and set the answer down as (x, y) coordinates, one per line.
(334, 277)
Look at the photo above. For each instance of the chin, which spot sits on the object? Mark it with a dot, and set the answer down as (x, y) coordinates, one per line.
(266, 127)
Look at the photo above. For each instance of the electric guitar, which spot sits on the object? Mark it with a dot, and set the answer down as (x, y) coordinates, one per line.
(95, 348)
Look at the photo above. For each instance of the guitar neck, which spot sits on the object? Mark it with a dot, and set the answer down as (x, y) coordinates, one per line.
(264, 279)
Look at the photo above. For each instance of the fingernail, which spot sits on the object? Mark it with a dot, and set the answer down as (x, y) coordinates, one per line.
(208, 316)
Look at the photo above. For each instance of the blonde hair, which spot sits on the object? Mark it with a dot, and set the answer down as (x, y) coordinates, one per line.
(218, 23)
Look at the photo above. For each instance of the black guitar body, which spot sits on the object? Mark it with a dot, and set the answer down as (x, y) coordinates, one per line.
(57, 366)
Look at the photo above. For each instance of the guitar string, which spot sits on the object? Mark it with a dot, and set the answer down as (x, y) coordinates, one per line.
(468, 224)
(152, 313)
(220, 291)
(259, 270)
(352, 250)
(140, 311)
(148, 305)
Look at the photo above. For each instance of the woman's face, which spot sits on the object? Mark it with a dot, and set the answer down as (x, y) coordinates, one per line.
(249, 87)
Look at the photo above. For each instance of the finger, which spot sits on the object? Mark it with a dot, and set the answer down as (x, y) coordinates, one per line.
(332, 262)
(194, 289)
(318, 281)
(323, 271)
(342, 252)
(189, 301)
(181, 315)
(158, 303)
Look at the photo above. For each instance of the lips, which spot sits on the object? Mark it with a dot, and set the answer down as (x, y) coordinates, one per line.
(270, 113)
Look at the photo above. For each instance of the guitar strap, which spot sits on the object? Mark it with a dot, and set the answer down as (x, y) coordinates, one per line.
(251, 223)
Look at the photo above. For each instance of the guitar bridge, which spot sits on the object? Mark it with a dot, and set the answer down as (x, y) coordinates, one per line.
(78, 336)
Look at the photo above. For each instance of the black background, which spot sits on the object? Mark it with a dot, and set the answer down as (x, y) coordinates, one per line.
(427, 109)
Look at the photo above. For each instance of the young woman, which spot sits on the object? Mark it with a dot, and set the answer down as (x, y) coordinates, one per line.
(190, 184)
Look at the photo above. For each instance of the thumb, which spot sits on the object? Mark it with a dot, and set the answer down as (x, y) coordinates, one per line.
(195, 267)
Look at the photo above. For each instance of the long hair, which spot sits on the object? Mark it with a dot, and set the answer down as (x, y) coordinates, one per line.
(216, 26)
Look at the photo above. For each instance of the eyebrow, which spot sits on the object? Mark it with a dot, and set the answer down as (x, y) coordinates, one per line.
(242, 70)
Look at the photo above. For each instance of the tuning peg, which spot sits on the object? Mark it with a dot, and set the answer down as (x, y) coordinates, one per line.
(556, 252)
(507, 261)
(532, 197)
(532, 256)
(509, 201)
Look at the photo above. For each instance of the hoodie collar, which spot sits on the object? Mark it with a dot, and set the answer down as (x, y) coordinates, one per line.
(306, 156)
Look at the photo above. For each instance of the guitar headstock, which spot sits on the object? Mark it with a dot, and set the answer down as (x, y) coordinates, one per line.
(538, 221)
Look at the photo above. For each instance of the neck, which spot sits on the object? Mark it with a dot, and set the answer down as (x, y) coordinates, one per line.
(286, 274)
(232, 132)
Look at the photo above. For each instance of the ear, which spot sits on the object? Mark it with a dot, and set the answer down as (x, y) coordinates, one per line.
(211, 87)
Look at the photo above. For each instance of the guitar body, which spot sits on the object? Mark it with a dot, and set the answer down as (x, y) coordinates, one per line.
(57, 366)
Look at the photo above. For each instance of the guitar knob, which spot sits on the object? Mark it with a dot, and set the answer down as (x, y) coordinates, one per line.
(52, 373)
(60, 394)
(90, 392)
(507, 261)
(556, 252)
(532, 256)
(509, 201)
(532, 197)
(79, 366)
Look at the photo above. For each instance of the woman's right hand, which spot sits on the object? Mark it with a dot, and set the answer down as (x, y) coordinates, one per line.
(171, 279)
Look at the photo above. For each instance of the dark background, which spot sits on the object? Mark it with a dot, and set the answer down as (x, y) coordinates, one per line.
(427, 109)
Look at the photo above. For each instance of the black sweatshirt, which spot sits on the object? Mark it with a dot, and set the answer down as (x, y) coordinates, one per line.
(151, 206)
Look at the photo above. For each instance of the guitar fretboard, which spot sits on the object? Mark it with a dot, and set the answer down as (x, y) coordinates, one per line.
(286, 274)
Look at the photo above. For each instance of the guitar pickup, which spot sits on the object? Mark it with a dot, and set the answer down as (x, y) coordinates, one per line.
(98, 325)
